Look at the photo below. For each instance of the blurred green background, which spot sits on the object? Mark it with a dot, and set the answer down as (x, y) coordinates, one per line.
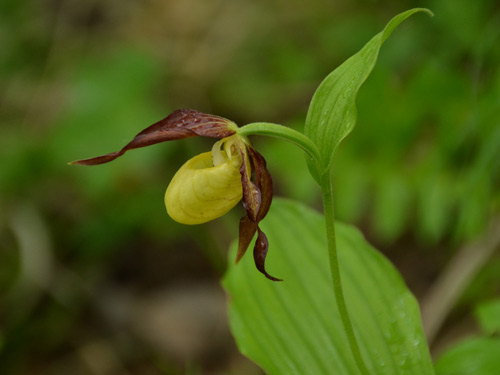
(95, 278)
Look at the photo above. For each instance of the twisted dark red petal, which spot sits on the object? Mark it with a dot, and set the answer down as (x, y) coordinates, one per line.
(183, 123)
(263, 181)
(260, 253)
(252, 197)
(247, 231)
(257, 198)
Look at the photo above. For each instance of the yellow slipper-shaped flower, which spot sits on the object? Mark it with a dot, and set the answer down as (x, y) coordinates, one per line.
(200, 191)
(210, 184)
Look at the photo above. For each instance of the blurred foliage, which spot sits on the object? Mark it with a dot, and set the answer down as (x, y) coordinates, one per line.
(488, 315)
(476, 355)
(79, 79)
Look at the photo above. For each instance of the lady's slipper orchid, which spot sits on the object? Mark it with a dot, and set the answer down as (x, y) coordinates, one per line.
(210, 184)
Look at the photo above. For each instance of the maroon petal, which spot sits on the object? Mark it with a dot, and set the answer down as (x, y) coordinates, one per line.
(263, 181)
(251, 193)
(183, 123)
(257, 197)
(247, 231)
(260, 253)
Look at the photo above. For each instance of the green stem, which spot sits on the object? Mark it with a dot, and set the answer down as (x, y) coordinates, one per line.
(287, 134)
(327, 192)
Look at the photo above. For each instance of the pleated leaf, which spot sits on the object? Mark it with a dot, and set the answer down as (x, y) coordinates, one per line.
(294, 328)
(332, 112)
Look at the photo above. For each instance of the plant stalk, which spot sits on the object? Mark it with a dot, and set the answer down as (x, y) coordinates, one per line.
(327, 193)
(287, 134)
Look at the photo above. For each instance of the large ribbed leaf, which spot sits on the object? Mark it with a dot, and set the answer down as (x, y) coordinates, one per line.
(332, 112)
(293, 327)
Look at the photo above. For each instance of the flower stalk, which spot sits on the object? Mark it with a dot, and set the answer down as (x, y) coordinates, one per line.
(328, 207)
(286, 134)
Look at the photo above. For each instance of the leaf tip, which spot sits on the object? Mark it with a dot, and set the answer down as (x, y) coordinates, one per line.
(426, 10)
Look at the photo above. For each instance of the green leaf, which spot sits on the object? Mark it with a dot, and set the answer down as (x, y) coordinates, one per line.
(294, 328)
(478, 356)
(488, 315)
(332, 113)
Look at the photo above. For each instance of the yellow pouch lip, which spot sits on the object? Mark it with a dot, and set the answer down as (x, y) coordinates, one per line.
(200, 192)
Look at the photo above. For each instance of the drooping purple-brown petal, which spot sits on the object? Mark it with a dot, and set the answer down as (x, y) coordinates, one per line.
(263, 181)
(260, 253)
(246, 232)
(182, 123)
(257, 197)
(251, 193)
